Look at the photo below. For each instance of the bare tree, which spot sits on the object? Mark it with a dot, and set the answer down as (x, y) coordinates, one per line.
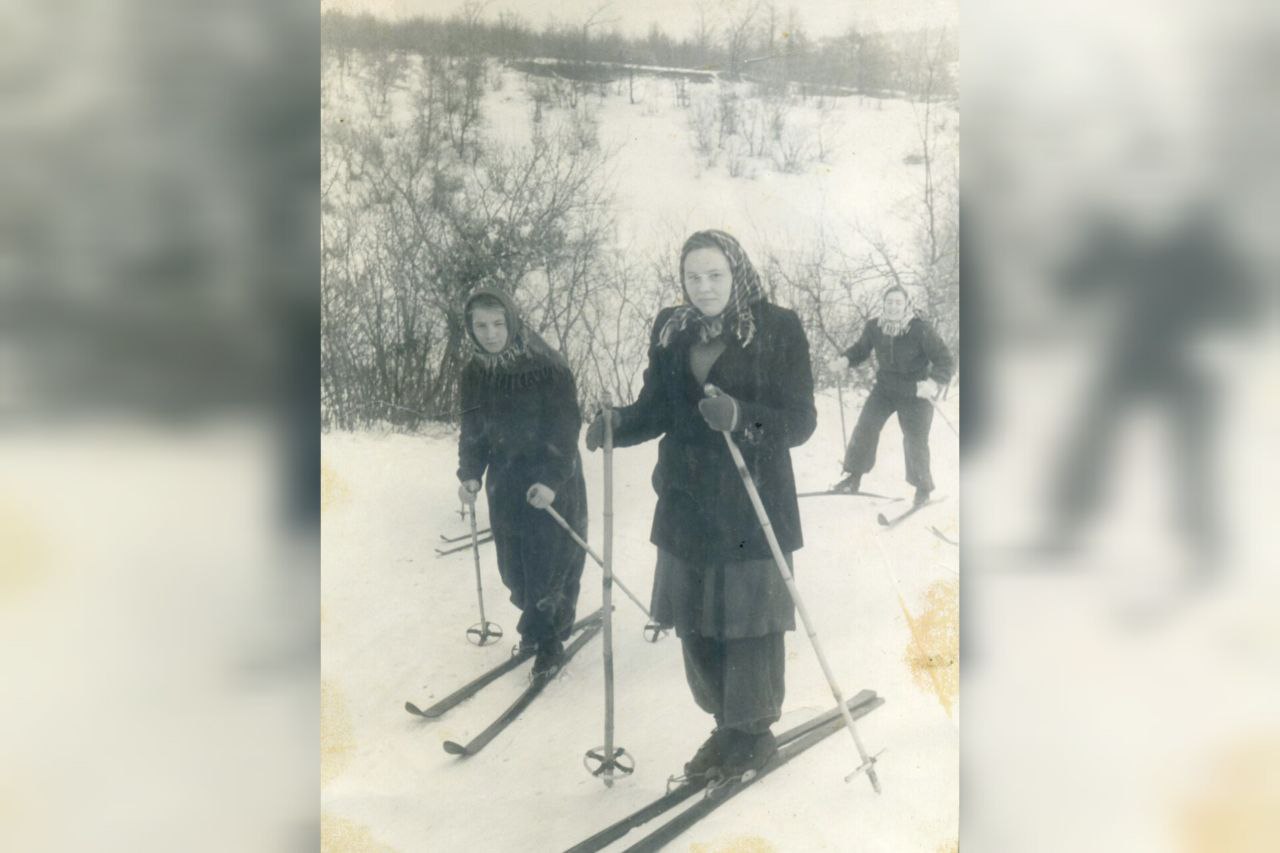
(739, 32)
(410, 226)
(704, 33)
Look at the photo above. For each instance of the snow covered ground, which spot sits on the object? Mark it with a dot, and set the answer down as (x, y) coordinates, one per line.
(393, 623)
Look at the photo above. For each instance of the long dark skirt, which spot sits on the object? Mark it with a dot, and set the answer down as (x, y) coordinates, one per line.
(726, 601)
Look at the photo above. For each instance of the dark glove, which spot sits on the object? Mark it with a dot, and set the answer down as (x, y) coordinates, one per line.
(720, 412)
(595, 432)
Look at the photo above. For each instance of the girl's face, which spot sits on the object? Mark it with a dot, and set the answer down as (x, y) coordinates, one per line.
(490, 328)
(895, 306)
(708, 281)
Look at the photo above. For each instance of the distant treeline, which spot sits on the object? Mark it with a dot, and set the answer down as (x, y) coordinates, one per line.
(915, 63)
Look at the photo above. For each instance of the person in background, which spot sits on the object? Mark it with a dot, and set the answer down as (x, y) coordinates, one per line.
(912, 364)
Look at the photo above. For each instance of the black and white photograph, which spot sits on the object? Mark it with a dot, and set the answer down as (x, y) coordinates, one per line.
(640, 404)
(543, 425)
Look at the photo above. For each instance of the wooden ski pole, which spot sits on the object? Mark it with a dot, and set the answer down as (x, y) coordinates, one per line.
(610, 762)
(599, 560)
(844, 433)
(604, 760)
(486, 630)
(868, 761)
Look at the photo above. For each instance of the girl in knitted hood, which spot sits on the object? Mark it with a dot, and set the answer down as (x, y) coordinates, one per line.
(520, 424)
(716, 581)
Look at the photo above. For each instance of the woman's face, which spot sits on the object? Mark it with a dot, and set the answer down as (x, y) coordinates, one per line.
(490, 328)
(895, 306)
(708, 281)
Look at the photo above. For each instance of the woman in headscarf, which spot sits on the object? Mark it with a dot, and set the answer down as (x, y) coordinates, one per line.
(912, 363)
(520, 422)
(716, 581)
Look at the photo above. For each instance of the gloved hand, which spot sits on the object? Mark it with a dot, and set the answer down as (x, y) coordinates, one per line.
(720, 412)
(595, 432)
(467, 491)
(928, 389)
(838, 365)
(540, 496)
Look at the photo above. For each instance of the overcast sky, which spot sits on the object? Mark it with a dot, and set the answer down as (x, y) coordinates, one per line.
(676, 17)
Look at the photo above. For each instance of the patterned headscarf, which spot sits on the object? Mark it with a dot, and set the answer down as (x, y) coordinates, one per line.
(746, 291)
(525, 357)
(893, 328)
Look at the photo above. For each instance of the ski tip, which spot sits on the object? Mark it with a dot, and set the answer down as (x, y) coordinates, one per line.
(455, 748)
(425, 713)
(883, 519)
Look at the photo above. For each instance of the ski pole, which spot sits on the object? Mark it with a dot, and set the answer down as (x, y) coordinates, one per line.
(933, 401)
(486, 631)
(608, 758)
(844, 433)
(943, 415)
(606, 595)
(599, 560)
(868, 761)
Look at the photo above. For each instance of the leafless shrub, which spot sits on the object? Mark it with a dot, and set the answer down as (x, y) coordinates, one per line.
(777, 110)
(754, 128)
(702, 121)
(410, 225)
(735, 157)
(793, 151)
(726, 115)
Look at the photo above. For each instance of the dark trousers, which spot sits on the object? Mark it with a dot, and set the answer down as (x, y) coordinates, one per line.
(915, 416)
(529, 562)
(739, 682)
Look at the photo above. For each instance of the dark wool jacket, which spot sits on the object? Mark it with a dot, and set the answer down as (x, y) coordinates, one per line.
(704, 513)
(915, 355)
(522, 430)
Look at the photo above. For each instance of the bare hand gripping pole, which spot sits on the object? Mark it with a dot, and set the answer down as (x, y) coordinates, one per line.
(868, 761)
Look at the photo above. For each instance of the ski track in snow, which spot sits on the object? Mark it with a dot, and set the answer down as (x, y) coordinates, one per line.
(394, 617)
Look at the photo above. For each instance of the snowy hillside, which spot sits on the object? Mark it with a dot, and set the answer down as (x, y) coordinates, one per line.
(394, 617)
(858, 166)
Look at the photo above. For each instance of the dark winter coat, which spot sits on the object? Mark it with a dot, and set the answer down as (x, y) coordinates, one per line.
(521, 433)
(518, 430)
(704, 514)
(903, 360)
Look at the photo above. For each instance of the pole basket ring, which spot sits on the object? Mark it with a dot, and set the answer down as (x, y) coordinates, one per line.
(484, 633)
(653, 632)
(622, 764)
(869, 768)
